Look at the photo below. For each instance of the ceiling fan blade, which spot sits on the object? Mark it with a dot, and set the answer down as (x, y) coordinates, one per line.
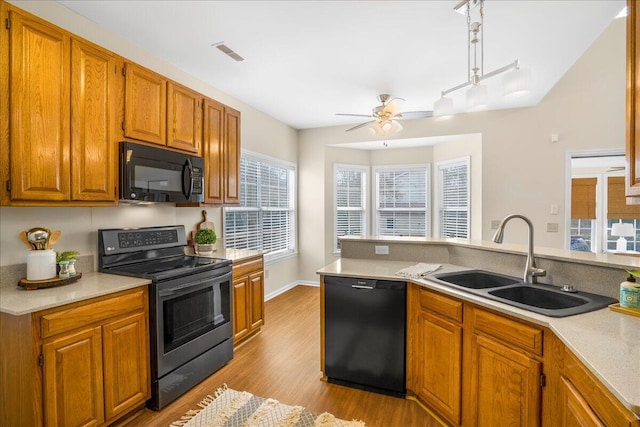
(410, 115)
(353, 115)
(360, 125)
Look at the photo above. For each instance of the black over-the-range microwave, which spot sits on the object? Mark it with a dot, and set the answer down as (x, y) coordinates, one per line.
(150, 174)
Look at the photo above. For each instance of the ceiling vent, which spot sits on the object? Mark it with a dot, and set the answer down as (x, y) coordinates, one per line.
(227, 51)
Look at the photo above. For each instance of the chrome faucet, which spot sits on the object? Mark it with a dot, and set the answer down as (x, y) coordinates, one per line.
(531, 272)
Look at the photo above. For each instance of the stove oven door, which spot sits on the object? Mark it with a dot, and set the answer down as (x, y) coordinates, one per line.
(192, 315)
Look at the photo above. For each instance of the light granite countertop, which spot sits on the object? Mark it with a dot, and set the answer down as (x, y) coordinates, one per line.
(18, 301)
(607, 342)
(234, 255)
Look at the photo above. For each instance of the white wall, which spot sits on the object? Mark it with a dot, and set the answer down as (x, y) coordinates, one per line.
(259, 133)
(522, 170)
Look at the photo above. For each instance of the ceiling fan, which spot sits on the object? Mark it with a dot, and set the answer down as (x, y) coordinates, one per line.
(384, 117)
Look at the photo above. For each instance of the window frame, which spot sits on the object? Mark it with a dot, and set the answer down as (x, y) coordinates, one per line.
(364, 169)
(422, 167)
(439, 194)
(292, 249)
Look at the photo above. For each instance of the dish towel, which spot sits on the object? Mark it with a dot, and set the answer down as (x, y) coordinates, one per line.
(418, 271)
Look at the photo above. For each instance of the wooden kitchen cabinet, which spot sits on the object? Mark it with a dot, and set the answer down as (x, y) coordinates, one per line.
(184, 118)
(587, 402)
(85, 363)
(145, 110)
(248, 297)
(505, 371)
(633, 103)
(221, 150)
(437, 352)
(65, 102)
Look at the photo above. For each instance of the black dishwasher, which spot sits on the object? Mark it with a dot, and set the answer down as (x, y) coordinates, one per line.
(365, 334)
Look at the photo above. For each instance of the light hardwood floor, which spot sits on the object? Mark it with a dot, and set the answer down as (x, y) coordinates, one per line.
(283, 362)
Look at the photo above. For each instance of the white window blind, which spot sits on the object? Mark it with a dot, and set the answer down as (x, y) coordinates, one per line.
(350, 193)
(265, 219)
(453, 197)
(402, 201)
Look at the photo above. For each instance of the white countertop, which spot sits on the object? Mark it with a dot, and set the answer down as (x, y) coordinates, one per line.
(18, 301)
(607, 342)
(228, 253)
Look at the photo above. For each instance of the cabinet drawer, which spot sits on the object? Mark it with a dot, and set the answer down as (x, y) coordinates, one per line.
(602, 402)
(511, 332)
(81, 315)
(442, 305)
(247, 267)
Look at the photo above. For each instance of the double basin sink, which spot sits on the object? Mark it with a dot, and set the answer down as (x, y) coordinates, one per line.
(543, 299)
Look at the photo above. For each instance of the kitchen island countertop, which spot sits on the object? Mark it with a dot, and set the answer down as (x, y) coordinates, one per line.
(607, 342)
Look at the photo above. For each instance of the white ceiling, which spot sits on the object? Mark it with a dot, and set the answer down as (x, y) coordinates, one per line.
(307, 60)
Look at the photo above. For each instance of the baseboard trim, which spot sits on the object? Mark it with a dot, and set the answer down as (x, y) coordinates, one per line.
(291, 285)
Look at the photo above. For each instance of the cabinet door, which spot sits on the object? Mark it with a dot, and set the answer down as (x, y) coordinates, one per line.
(126, 375)
(184, 118)
(577, 412)
(505, 385)
(231, 156)
(633, 100)
(241, 324)
(73, 394)
(96, 98)
(145, 105)
(439, 369)
(256, 314)
(39, 88)
(213, 151)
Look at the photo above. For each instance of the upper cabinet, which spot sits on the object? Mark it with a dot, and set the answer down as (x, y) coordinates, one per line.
(145, 105)
(221, 152)
(633, 103)
(184, 118)
(66, 98)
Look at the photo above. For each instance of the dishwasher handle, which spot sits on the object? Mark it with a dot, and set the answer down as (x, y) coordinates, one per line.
(363, 287)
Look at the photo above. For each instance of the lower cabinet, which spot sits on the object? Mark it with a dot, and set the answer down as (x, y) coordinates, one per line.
(91, 362)
(248, 297)
(438, 353)
(476, 367)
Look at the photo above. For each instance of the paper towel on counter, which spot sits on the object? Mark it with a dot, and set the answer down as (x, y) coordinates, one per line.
(418, 271)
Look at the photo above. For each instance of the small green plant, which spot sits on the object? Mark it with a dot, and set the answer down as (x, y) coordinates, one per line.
(205, 236)
(66, 255)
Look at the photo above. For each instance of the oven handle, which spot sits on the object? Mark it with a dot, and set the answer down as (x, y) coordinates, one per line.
(187, 287)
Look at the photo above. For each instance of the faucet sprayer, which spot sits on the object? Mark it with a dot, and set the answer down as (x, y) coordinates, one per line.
(531, 272)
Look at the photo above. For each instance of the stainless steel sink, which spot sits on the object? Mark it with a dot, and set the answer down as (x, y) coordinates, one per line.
(538, 298)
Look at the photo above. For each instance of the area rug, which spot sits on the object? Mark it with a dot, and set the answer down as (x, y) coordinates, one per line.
(231, 408)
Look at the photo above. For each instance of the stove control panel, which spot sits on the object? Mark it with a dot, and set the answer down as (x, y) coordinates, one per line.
(124, 240)
(137, 239)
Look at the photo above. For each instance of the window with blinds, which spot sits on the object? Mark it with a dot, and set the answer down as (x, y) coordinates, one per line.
(402, 201)
(453, 198)
(351, 208)
(265, 219)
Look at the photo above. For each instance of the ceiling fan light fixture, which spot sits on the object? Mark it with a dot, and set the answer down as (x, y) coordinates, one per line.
(517, 82)
(477, 97)
(443, 108)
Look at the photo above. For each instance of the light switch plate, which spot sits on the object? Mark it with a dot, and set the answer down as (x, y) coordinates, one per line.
(554, 209)
(495, 224)
(552, 227)
(382, 250)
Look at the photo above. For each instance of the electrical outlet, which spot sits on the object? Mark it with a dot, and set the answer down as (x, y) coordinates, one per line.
(552, 227)
(382, 250)
(495, 224)
(554, 209)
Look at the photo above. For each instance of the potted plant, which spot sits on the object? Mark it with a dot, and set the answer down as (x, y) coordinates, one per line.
(205, 238)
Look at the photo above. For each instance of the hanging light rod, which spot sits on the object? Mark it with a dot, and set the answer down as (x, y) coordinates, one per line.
(514, 65)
